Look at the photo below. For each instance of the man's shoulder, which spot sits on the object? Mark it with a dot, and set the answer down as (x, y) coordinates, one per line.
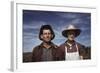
(36, 47)
(54, 45)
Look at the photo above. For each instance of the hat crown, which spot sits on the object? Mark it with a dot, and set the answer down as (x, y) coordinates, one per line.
(71, 27)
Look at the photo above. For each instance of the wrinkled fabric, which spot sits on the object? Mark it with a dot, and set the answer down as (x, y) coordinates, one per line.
(81, 50)
(38, 55)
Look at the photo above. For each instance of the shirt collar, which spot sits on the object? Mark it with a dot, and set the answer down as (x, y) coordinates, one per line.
(70, 44)
(52, 45)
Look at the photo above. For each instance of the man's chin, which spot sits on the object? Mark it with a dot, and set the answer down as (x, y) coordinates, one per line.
(47, 41)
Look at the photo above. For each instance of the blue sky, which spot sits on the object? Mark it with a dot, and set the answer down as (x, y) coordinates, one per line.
(32, 21)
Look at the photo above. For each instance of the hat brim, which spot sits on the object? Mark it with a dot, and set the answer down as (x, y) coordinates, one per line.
(77, 32)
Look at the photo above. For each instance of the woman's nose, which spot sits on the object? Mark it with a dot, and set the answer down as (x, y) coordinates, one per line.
(72, 34)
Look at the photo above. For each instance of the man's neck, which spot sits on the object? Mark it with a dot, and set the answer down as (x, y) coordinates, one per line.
(47, 44)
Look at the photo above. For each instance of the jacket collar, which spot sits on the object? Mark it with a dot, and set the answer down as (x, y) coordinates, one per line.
(52, 45)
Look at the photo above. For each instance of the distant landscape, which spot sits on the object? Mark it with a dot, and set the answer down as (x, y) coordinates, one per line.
(27, 56)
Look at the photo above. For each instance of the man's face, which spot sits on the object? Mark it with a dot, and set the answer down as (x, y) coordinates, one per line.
(46, 36)
(71, 35)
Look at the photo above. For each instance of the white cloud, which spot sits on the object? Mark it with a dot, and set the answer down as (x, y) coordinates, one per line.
(85, 28)
(34, 25)
(67, 15)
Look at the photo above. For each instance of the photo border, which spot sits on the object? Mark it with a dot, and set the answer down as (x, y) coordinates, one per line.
(17, 24)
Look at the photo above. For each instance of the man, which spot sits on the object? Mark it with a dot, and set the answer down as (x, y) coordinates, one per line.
(46, 51)
(72, 50)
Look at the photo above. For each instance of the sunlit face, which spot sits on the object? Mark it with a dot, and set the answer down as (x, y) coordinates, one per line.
(47, 35)
(71, 35)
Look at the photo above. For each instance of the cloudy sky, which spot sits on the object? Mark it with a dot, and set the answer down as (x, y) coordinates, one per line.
(32, 21)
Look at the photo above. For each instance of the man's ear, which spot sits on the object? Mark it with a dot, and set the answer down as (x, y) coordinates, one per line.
(52, 36)
(41, 36)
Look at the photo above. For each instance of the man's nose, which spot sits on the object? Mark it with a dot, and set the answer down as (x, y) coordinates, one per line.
(48, 34)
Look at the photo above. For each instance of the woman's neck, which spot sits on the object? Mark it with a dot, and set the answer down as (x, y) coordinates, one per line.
(70, 41)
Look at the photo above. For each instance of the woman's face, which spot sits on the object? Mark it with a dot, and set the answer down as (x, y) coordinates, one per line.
(71, 35)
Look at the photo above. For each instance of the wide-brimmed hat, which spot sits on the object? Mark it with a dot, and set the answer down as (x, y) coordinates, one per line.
(71, 28)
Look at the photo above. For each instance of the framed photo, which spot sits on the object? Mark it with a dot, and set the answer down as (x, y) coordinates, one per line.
(52, 36)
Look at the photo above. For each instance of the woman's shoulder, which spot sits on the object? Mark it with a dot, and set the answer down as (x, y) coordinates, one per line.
(80, 45)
